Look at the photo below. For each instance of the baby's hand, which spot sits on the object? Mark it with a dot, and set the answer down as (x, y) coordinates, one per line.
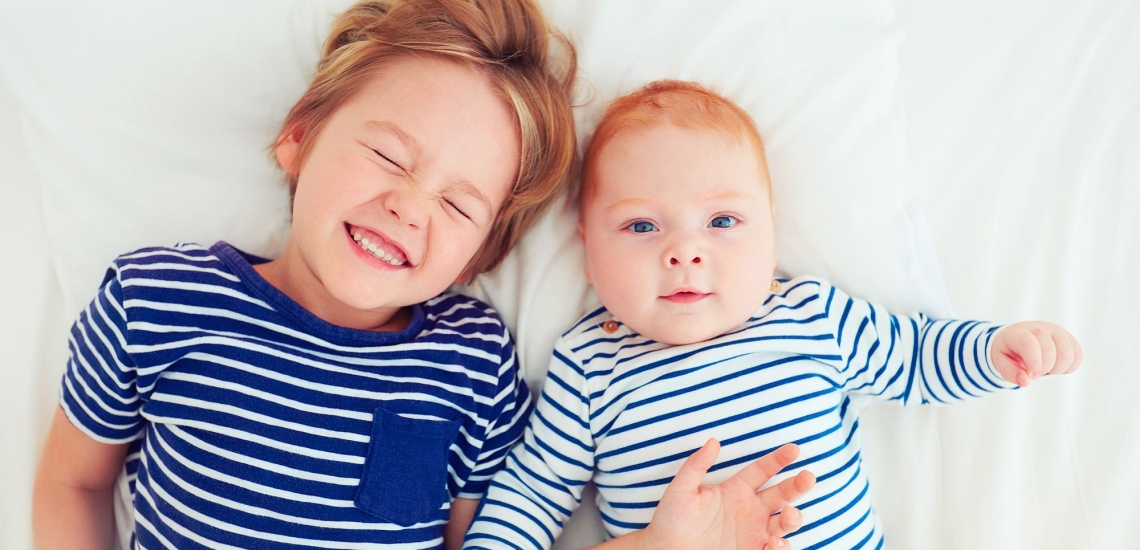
(1025, 351)
(732, 514)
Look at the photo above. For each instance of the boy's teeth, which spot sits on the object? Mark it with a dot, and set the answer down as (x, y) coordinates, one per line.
(371, 248)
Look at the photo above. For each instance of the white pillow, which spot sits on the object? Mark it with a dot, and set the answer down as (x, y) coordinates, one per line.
(149, 124)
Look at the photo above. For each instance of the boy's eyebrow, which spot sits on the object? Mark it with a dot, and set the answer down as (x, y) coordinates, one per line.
(403, 137)
(465, 187)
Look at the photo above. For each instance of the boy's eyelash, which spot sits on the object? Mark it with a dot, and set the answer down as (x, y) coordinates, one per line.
(383, 156)
(457, 209)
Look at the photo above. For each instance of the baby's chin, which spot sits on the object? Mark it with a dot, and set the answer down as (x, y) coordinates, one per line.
(679, 331)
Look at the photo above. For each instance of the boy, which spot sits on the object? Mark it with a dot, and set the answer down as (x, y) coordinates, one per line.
(696, 339)
(336, 396)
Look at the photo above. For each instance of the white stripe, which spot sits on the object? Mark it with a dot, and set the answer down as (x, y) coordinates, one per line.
(168, 252)
(262, 464)
(90, 413)
(272, 398)
(192, 287)
(114, 326)
(215, 312)
(253, 438)
(256, 417)
(218, 524)
(179, 267)
(155, 461)
(326, 388)
(362, 361)
(82, 426)
(78, 357)
(249, 485)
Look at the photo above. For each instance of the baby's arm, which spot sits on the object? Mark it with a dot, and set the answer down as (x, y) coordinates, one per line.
(72, 499)
(918, 360)
(541, 485)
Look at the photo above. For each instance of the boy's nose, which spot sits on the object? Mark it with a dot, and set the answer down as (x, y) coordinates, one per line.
(407, 205)
(674, 260)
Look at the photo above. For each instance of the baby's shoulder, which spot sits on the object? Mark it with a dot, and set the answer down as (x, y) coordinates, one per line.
(597, 340)
(788, 294)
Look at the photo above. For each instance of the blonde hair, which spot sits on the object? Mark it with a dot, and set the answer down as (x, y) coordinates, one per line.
(683, 104)
(509, 41)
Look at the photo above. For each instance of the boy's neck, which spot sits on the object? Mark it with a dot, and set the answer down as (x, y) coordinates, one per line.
(289, 274)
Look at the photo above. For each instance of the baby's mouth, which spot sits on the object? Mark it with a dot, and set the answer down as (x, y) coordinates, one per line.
(376, 246)
(685, 297)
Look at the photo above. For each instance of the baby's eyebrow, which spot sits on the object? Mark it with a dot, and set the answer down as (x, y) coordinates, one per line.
(403, 137)
(627, 202)
(731, 195)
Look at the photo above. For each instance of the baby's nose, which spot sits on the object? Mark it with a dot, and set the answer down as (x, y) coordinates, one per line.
(677, 259)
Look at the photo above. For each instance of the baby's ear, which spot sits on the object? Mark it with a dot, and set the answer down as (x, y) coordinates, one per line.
(585, 261)
(288, 149)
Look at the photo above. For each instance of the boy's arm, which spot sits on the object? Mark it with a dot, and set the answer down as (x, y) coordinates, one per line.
(462, 512)
(71, 502)
(97, 419)
(918, 360)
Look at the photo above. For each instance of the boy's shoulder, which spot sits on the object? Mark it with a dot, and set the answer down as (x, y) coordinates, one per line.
(455, 311)
(158, 262)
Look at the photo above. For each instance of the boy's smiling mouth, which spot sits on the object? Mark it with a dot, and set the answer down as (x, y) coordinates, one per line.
(376, 246)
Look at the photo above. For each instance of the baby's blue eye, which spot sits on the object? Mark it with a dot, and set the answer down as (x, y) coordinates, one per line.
(723, 222)
(642, 227)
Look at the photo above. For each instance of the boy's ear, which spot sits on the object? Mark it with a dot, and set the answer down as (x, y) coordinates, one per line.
(288, 149)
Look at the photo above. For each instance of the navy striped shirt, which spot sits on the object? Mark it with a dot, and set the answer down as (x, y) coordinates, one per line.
(626, 411)
(259, 425)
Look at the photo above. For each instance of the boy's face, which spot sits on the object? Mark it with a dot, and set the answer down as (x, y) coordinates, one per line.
(678, 233)
(418, 163)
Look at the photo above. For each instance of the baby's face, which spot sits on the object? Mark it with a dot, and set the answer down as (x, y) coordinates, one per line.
(678, 233)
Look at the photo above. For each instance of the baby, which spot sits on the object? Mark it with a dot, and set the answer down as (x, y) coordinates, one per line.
(696, 339)
(335, 396)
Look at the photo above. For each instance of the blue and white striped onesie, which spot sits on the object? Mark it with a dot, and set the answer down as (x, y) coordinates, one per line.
(625, 412)
(259, 425)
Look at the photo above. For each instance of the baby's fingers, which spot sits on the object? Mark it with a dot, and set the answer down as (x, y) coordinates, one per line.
(787, 521)
(786, 492)
(1068, 354)
(1048, 353)
(777, 543)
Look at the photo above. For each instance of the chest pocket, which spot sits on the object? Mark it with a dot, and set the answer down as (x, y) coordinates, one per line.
(405, 472)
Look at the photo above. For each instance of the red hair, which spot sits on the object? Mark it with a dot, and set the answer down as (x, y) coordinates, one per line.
(683, 104)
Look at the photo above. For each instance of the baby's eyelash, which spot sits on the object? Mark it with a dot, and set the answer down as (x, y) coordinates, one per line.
(630, 226)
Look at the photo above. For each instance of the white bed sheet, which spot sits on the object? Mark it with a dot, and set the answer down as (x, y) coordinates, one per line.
(1026, 119)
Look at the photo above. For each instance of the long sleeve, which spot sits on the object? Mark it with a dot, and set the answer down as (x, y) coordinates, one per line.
(910, 360)
(542, 482)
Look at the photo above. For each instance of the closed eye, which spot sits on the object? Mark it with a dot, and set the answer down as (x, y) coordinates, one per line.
(457, 209)
(388, 160)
